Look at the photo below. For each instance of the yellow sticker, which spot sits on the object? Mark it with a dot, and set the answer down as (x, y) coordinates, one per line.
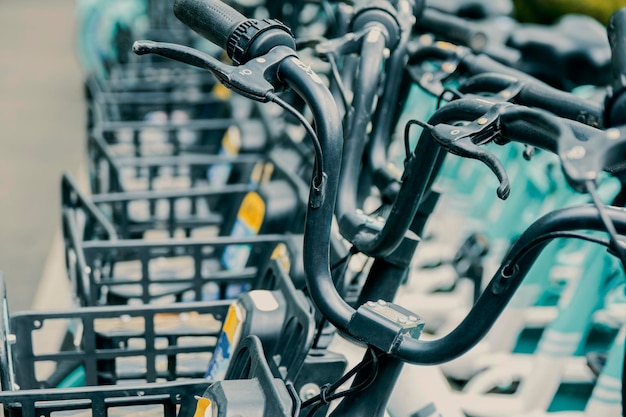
(231, 324)
(231, 142)
(252, 211)
(257, 173)
(268, 171)
(446, 46)
(262, 172)
(282, 255)
(222, 92)
(201, 407)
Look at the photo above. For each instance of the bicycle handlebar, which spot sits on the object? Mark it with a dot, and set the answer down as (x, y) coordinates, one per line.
(583, 151)
(371, 59)
(504, 283)
(415, 181)
(616, 103)
(212, 19)
(371, 324)
(488, 75)
(581, 160)
(321, 206)
(240, 37)
(617, 39)
(534, 93)
(453, 28)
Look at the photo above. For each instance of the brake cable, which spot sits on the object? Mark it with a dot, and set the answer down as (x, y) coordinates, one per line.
(332, 60)
(319, 156)
(608, 224)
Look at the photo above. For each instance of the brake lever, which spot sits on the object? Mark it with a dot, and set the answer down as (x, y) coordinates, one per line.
(465, 141)
(448, 56)
(256, 79)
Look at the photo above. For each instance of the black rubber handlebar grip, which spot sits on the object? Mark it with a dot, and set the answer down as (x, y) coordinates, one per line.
(212, 19)
(453, 28)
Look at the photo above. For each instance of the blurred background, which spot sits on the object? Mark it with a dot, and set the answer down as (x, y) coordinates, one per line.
(41, 135)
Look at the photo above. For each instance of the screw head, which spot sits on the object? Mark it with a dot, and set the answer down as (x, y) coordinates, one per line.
(308, 391)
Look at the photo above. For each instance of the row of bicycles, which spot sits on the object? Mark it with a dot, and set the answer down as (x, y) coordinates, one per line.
(349, 208)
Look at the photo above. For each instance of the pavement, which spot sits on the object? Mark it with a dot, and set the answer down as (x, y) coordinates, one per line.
(41, 135)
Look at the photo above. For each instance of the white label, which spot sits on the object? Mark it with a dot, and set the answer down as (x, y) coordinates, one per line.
(264, 300)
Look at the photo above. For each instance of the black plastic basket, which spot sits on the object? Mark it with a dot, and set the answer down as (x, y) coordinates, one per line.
(127, 104)
(169, 399)
(174, 270)
(164, 89)
(139, 77)
(198, 164)
(116, 345)
(201, 203)
(156, 356)
(187, 212)
(161, 379)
